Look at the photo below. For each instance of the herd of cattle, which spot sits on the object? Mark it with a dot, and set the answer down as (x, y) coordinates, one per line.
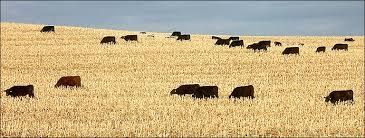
(195, 90)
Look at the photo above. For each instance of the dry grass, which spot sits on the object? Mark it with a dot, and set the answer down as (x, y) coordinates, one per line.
(127, 85)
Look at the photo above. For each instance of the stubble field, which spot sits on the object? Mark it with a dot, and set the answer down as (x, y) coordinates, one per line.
(127, 85)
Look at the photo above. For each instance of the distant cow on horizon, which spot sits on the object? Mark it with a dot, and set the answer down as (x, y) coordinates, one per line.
(130, 38)
(48, 29)
(183, 37)
(349, 39)
(176, 33)
(216, 37)
(17, 91)
(108, 40)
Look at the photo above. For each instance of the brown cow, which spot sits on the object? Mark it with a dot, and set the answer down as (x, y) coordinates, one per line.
(17, 91)
(69, 81)
(183, 37)
(108, 40)
(257, 47)
(340, 47)
(321, 49)
(130, 38)
(339, 96)
(206, 92)
(291, 50)
(185, 89)
(349, 39)
(243, 91)
(265, 43)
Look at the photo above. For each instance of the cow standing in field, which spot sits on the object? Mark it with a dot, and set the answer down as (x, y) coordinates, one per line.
(340, 96)
(48, 29)
(108, 40)
(340, 47)
(265, 43)
(222, 42)
(321, 49)
(243, 91)
(257, 47)
(183, 37)
(215, 37)
(185, 89)
(176, 33)
(235, 43)
(277, 43)
(130, 38)
(291, 50)
(17, 91)
(301, 44)
(142, 32)
(69, 81)
(349, 39)
(206, 92)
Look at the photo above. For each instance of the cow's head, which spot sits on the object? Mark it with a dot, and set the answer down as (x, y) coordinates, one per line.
(327, 98)
(173, 91)
(122, 37)
(8, 91)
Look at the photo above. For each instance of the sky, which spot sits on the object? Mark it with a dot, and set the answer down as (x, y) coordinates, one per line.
(196, 17)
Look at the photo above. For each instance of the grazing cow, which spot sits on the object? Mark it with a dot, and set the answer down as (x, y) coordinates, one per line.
(301, 44)
(130, 38)
(150, 36)
(17, 91)
(265, 43)
(222, 42)
(291, 50)
(142, 32)
(235, 43)
(234, 38)
(69, 81)
(48, 29)
(243, 91)
(206, 92)
(183, 37)
(108, 40)
(215, 37)
(321, 49)
(176, 34)
(339, 96)
(349, 39)
(185, 89)
(277, 43)
(340, 47)
(256, 46)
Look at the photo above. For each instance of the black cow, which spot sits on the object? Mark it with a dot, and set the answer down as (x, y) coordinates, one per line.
(150, 36)
(235, 43)
(108, 40)
(277, 43)
(265, 43)
(234, 38)
(142, 32)
(185, 89)
(301, 44)
(206, 92)
(256, 46)
(339, 96)
(291, 50)
(340, 47)
(215, 37)
(183, 37)
(243, 91)
(222, 42)
(349, 39)
(176, 34)
(17, 91)
(48, 29)
(321, 49)
(130, 38)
